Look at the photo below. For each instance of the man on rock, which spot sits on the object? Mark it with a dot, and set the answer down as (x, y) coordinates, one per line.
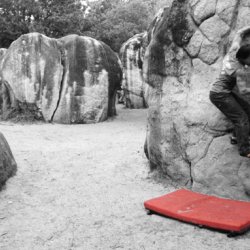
(232, 104)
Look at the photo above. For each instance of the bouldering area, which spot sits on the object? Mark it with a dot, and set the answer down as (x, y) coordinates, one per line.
(85, 190)
(69, 80)
(106, 114)
(187, 137)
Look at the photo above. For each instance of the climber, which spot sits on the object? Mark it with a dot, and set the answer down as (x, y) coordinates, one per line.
(231, 103)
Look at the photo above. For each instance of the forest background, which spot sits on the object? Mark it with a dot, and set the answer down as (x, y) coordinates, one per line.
(111, 21)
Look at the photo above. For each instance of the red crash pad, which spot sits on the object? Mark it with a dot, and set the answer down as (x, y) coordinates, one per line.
(205, 210)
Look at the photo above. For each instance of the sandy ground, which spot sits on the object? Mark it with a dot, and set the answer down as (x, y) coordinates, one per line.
(83, 187)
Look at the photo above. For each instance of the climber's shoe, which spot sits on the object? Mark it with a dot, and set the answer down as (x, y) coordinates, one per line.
(233, 140)
(245, 154)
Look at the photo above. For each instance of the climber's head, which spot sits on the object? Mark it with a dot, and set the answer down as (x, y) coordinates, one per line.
(243, 54)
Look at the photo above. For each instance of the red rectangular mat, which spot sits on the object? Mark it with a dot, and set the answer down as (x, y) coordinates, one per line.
(205, 210)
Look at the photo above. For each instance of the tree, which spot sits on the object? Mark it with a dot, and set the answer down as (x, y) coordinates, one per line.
(115, 21)
(54, 18)
(111, 21)
(61, 17)
(14, 19)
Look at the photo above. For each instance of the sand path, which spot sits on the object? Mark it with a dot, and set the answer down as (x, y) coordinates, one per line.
(83, 187)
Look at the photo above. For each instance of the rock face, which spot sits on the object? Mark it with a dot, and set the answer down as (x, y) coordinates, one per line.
(32, 70)
(91, 78)
(187, 137)
(2, 53)
(69, 80)
(8, 165)
(131, 54)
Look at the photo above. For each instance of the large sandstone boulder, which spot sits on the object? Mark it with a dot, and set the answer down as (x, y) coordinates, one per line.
(92, 74)
(152, 26)
(187, 137)
(131, 54)
(8, 165)
(69, 80)
(2, 53)
(32, 70)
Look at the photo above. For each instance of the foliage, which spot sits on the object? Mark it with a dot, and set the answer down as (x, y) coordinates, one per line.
(61, 17)
(111, 21)
(53, 18)
(13, 19)
(115, 21)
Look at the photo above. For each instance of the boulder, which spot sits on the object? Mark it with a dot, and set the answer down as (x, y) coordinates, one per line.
(158, 18)
(8, 165)
(67, 80)
(92, 74)
(187, 137)
(131, 54)
(32, 70)
(2, 53)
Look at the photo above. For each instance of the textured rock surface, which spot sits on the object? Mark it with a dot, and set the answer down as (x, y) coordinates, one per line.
(187, 136)
(131, 55)
(226, 10)
(202, 9)
(32, 69)
(69, 80)
(91, 77)
(2, 53)
(8, 165)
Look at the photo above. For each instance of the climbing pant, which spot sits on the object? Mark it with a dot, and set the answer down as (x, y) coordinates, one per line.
(237, 109)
